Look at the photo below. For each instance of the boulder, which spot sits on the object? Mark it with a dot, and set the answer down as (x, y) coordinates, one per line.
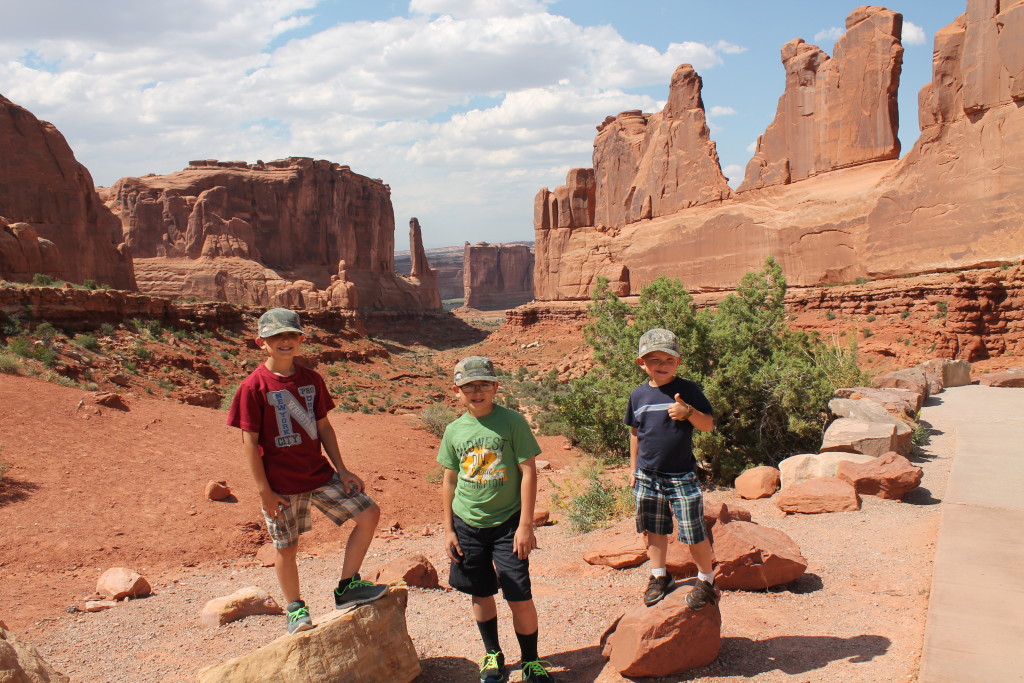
(887, 476)
(800, 468)
(954, 373)
(266, 555)
(665, 639)
(899, 402)
(99, 605)
(753, 557)
(217, 490)
(825, 494)
(1014, 377)
(21, 662)
(856, 436)
(757, 482)
(920, 380)
(618, 547)
(414, 569)
(497, 275)
(120, 582)
(542, 517)
(244, 602)
(866, 410)
(368, 644)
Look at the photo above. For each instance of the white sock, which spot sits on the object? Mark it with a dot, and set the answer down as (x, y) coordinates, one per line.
(659, 571)
(710, 578)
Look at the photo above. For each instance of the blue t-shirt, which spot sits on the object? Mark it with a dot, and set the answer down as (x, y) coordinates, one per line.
(666, 445)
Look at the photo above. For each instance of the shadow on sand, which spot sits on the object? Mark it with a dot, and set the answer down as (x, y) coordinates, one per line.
(15, 490)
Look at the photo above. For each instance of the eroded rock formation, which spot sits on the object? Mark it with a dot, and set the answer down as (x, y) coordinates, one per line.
(952, 202)
(823, 123)
(53, 221)
(292, 232)
(497, 275)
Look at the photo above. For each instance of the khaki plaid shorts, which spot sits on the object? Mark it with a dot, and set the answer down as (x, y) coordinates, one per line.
(331, 499)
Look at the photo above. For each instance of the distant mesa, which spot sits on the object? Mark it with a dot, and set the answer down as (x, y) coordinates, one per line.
(51, 219)
(497, 275)
(824, 194)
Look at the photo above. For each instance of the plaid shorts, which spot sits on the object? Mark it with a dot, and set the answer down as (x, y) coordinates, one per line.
(331, 499)
(660, 497)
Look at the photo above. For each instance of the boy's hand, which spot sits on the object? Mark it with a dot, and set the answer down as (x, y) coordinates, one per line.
(680, 410)
(525, 541)
(272, 503)
(451, 544)
(350, 482)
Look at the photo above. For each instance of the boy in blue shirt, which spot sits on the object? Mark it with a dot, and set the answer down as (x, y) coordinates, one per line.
(662, 414)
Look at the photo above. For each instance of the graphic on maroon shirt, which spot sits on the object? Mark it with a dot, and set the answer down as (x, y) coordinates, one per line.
(287, 409)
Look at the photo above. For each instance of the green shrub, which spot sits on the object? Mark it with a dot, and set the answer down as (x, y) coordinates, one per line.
(770, 385)
(9, 364)
(435, 417)
(942, 309)
(905, 314)
(871, 318)
(867, 332)
(597, 504)
(45, 331)
(829, 315)
(87, 341)
(107, 330)
(20, 346)
(44, 280)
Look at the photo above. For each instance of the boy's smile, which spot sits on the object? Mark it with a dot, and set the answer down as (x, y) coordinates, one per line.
(659, 366)
(478, 397)
(282, 347)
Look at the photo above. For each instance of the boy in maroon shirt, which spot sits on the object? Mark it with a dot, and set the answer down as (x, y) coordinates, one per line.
(282, 409)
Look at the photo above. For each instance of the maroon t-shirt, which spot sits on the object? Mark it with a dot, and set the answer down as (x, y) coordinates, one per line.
(284, 412)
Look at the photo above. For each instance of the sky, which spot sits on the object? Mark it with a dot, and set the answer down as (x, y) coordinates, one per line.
(466, 108)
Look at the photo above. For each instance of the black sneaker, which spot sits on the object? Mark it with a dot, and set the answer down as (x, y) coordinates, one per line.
(657, 588)
(537, 672)
(358, 592)
(298, 617)
(701, 594)
(492, 668)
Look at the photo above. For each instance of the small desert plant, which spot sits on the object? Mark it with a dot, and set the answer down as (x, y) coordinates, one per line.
(44, 280)
(229, 396)
(594, 504)
(871, 318)
(866, 332)
(829, 315)
(942, 309)
(107, 330)
(9, 364)
(435, 417)
(905, 314)
(87, 341)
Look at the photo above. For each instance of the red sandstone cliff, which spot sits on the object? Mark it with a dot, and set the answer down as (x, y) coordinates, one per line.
(294, 232)
(497, 275)
(55, 222)
(835, 112)
(952, 202)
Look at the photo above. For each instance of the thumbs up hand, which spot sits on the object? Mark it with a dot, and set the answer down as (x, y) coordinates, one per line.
(680, 410)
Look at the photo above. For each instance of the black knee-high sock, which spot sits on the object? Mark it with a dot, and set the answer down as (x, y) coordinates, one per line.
(489, 633)
(528, 646)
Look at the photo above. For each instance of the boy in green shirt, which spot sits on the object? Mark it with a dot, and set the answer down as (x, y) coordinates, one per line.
(489, 494)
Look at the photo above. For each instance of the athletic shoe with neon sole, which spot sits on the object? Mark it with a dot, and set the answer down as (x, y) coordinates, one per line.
(298, 617)
(358, 592)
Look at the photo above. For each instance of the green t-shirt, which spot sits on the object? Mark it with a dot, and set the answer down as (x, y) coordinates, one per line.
(486, 453)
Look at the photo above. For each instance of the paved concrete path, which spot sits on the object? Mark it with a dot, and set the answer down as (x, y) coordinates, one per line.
(975, 628)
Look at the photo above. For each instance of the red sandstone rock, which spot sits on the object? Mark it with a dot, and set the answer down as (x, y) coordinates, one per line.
(753, 557)
(823, 123)
(899, 402)
(266, 555)
(21, 661)
(618, 547)
(887, 476)
(757, 482)
(665, 639)
(120, 582)
(414, 569)
(497, 275)
(243, 602)
(952, 373)
(1013, 377)
(293, 232)
(217, 490)
(918, 380)
(866, 410)
(59, 226)
(806, 466)
(856, 436)
(825, 494)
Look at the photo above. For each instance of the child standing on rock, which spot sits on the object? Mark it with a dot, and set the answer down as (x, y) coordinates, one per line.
(662, 414)
(489, 494)
(282, 409)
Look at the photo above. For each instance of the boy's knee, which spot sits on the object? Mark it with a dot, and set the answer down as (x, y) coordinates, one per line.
(289, 553)
(370, 515)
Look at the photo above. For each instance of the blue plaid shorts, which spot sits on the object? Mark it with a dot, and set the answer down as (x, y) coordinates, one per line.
(662, 497)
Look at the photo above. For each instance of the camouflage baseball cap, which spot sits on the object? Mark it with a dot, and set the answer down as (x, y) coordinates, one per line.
(278, 320)
(474, 369)
(658, 340)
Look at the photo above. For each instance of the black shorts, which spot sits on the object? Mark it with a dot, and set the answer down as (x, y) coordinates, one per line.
(483, 552)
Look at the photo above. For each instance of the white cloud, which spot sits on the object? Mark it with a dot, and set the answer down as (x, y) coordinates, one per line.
(719, 110)
(828, 35)
(913, 34)
(752, 147)
(734, 172)
(728, 48)
(477, 8)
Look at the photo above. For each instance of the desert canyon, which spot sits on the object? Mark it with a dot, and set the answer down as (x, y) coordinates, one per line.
(919, 255)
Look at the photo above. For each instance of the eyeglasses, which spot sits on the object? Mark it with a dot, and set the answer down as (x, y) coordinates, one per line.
(481, 388)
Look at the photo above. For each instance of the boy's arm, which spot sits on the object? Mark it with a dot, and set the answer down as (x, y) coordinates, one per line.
(525, 540)
(451, 543)
(349, 481)
(681, 410)
(634, 448)
(269, 498)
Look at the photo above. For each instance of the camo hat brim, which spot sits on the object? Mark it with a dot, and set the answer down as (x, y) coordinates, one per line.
(278, 321)
(474, 369)
(658, 340)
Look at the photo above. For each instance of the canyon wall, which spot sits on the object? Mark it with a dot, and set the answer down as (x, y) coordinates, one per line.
(51, 218)
(291, 232)
(952, 202)
(497, 275)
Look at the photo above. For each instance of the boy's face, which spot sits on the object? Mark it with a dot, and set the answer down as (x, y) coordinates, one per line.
(284, 346)
(477, 396)
(659, 366)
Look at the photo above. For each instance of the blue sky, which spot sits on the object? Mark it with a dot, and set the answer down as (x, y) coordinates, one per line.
(466, 108)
